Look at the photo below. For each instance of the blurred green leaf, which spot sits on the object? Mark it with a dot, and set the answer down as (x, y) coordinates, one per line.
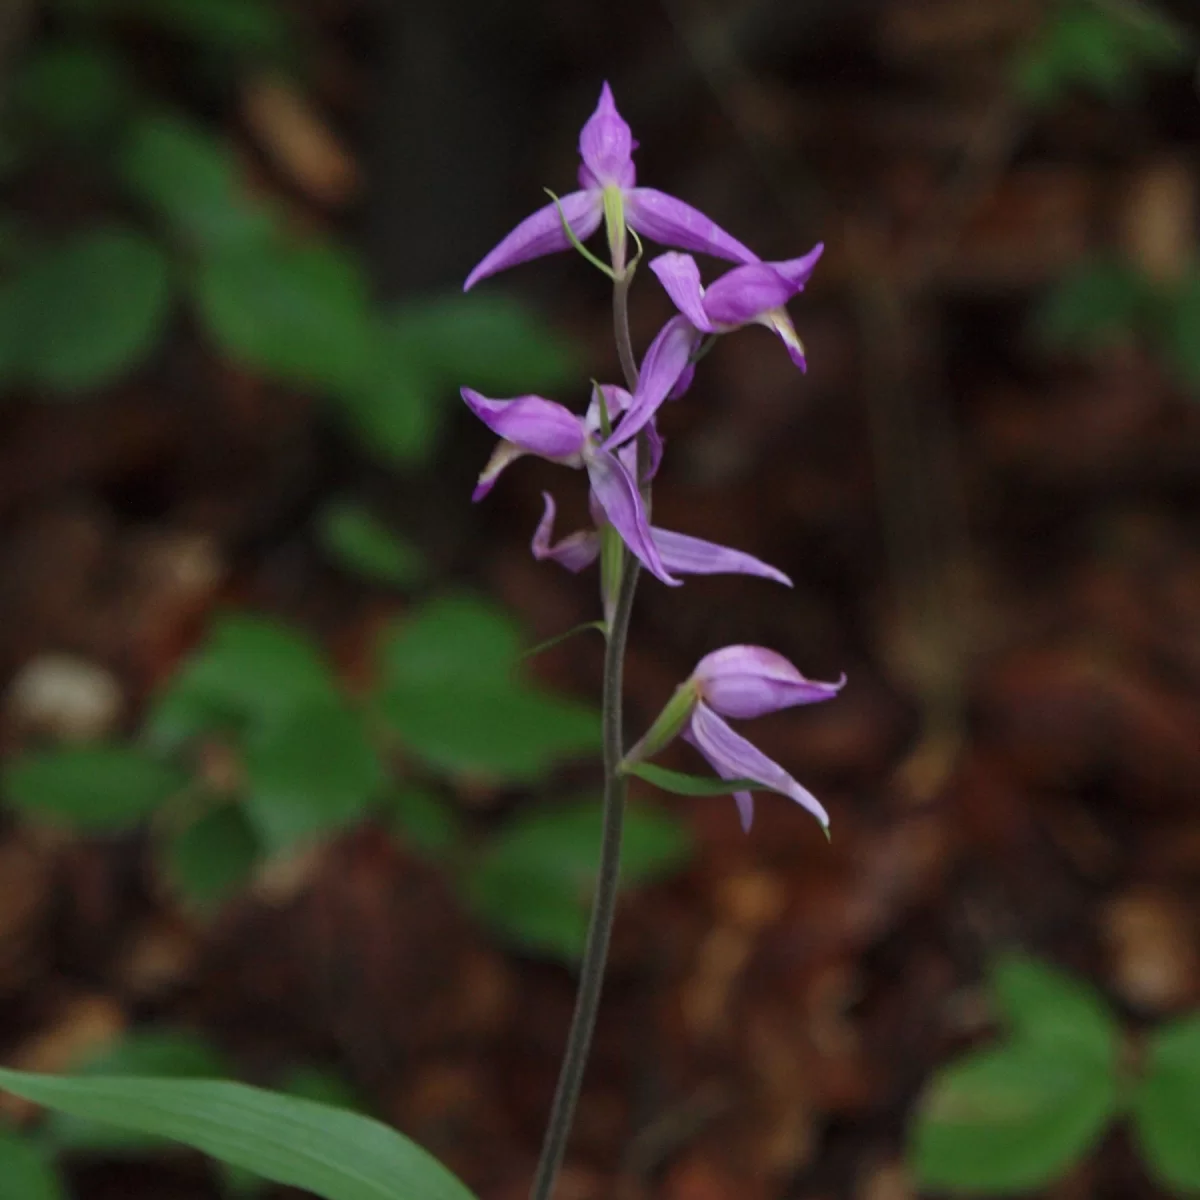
(1009, 1120)
(97, 788)
(493, 343)
(91, 308)
(1047, 1007)
(692, 785)
(1016, 1117)
(25, 1170)
(311, 773)
(250, 671)
(363, 544)
(1166, 1105)
(450, 691)
(211, 857)
(1102, 49)
(149, 1053)
(254, 28)
(533, 882)
(69, 89)
(297, 312)
(333, 1153)
(1177, 333)
(393, 410)
(425, 821)
(187, 175)
(1100, 301)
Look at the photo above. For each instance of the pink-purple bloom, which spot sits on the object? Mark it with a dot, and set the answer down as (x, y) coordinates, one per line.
(754, 293)
(606, 148)
(679, 552)
(744, 682)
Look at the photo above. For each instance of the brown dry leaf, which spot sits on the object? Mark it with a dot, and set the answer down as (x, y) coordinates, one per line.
(1159, 221)
(300, 142)
(1152, 950)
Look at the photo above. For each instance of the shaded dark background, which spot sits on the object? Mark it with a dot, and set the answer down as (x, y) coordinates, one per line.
(998, 544)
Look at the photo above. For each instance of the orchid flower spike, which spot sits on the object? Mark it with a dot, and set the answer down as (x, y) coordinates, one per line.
(752, 294)
(607, 179)
(739, 682)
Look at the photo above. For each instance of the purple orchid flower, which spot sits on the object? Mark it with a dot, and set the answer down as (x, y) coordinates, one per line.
(739, 682)
(754, 293)
(679, 553)
(606, 147)
(535, 425)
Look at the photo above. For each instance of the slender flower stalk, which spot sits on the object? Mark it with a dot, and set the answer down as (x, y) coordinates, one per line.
(617, 443)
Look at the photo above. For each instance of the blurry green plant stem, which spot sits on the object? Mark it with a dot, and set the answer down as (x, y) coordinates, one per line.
(604, 903)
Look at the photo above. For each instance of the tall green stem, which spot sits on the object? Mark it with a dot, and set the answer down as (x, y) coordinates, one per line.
(604, 904)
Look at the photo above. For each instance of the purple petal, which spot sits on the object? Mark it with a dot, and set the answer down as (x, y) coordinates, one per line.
(574, 552)
(745, 293)
(671, 222)
(665, 361)
(504, 454)
(536, 425)
(617, 494)
(606, 146)
(683, 382)
(748, 681)
(542, 233)
(680, 276)
(732, 757)
(798, 270)
(694, 556)
(780, 324)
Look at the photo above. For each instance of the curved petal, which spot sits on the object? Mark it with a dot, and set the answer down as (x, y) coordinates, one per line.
(666, 359)
(536, 425)
(745, 293)
(780, 324)
(693, 556)
(616, 400)
(606, 144)
(798, 270)
(542, 233)
(732, 757)
(748, 681)
(504, 453)
(680, 277)
(671, 222)
(683, 382)
(617, 494)
(574, 552)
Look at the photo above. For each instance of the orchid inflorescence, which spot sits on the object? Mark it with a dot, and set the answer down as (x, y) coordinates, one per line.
(617, 443)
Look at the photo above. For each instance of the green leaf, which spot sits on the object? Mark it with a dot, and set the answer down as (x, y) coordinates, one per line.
(1178, 332)
(26, 1173)
(425, 821)
(453, 639)
(251, 671)
(251, 28)
(153, 1053)
(1016, 1117)
(74, 90)
(296, 312)
(211, 857)
(95, 788)
(558, 638)
(1100, 301)
(311, 773)
(336, 1154)
(1166, 1105)
(693, 785)
(187, 176)
(493, 343)
(1049, 1008)
(362, 543)
(91, 309)
(1010, 1120)
(534, 881)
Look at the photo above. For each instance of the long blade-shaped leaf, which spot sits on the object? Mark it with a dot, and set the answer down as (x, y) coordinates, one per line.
(338, 1155)
(692, 785)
